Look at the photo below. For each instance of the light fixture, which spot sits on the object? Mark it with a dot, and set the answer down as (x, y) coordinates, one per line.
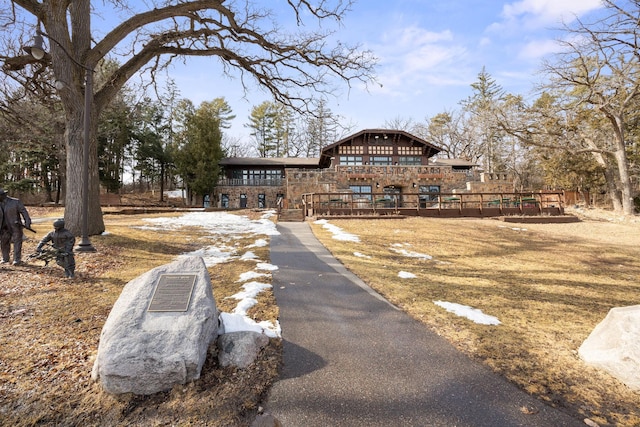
(37, 49)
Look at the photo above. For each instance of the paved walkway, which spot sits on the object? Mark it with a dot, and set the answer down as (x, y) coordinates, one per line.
(352, 359)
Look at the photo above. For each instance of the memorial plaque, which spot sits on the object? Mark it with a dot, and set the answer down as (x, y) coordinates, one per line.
(173, 292)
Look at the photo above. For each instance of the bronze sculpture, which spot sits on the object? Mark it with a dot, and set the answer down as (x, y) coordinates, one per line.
(12, 213)
(62, 240)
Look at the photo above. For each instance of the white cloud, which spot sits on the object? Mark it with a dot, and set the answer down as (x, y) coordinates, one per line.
(531, 14)
(537, 49)
(550, 11)
(412, 54)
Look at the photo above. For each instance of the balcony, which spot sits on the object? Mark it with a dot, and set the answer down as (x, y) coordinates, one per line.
(239, 182)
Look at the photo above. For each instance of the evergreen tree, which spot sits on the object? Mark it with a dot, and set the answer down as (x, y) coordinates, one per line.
(262, 122)
(481, 105)
(199, 148)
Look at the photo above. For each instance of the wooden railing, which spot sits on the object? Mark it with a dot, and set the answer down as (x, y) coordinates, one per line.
(435, 204)
(252, 182)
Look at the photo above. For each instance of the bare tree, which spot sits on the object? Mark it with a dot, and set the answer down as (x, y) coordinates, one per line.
(453, 132)
(599, 71)
(241, 34)
(318, 130)
(401, 123)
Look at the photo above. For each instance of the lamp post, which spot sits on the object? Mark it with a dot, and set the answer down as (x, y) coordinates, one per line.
(38, 52)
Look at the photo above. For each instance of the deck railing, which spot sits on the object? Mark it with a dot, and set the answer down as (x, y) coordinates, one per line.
(434, 204)
(252, 182)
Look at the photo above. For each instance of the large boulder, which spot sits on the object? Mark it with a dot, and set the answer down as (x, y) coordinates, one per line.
(143, 351)
(614, 345)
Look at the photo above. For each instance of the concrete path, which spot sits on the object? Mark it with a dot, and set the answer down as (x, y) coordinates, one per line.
(352, 359)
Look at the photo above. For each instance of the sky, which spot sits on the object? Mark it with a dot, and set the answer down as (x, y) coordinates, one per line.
(224, 229)
(429, 53)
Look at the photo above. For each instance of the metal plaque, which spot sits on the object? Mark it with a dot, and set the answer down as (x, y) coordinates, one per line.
(173, 292)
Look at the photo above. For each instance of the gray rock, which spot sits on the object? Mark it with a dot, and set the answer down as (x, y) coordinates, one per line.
(145, 352)
(241, 348)
(614, 345)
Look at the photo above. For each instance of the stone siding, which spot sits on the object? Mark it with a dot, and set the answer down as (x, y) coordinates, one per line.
(492, 183)
(252, 193)
(340, 178)
(408, 179)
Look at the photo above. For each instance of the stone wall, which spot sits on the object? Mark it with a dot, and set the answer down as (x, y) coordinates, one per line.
(252, 194)
(340, 178)
(337, 179)
(492, 183)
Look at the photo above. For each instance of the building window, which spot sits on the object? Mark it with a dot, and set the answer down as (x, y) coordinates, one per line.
(224, 201)
(243, 201)
(361, 191)
(380, 149)
(349, 149)
(381, 160)
(257, 174)
(409, 151)
(429, 189)
(261, 201)
(350, 160)
(427, 199)
(409, 160)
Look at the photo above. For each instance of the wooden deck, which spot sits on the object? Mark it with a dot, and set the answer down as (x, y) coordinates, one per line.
(442, 205)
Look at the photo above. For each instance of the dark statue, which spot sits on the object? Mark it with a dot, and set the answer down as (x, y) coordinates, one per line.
(62, 241)
(12, 212)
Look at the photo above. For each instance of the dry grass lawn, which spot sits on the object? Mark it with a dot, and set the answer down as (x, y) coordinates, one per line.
(50, 328)
(548, 284)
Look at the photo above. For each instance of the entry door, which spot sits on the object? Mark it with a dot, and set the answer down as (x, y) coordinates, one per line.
(391, 195)
(243, 201)
(427, 200)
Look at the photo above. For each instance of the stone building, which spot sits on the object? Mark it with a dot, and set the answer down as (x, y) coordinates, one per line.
(376, 172)
(372, 163)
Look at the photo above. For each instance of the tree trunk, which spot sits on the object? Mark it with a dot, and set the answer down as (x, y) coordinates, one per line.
(626, 191)
(610, 181)
(73, 212)
(622, 162)
(162, 182)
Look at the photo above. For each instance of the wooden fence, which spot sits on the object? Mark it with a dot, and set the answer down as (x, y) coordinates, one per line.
(433, 204)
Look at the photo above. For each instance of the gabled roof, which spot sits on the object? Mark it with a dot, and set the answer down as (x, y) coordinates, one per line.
(387, 132)
(325, 156)
(270, 161)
